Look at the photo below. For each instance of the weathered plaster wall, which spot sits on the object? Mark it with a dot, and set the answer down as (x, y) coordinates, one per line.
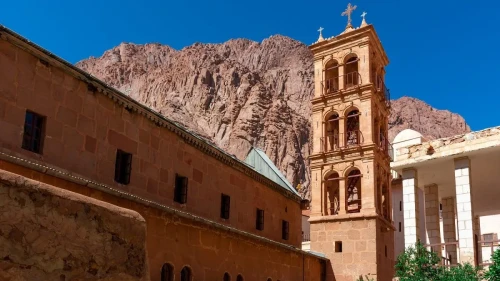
(47, 233)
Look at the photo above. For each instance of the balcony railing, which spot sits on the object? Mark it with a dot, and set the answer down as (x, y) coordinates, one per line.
(330, 142)
(447, 251)
(381, 88)
(306, 237)
(386, 147)
(487, 247)
(335, 142)
(332, 85)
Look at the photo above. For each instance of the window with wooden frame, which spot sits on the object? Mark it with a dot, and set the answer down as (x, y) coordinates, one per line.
(181, 189)
(225, 206)
(259, 222)
(285, 230)
(33, 132)
(123, 167)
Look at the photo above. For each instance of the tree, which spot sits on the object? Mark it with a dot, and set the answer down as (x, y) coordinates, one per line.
(419, 264)
(493, 273)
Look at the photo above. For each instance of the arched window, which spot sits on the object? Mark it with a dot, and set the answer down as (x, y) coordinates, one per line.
(332, 132)
(269, 279)
(353, 192)
(351, 75)
(227, 277)
(332, 194)
(331, 84)
(239, 278)
(353, 134)
(167, 272)
(186, 274)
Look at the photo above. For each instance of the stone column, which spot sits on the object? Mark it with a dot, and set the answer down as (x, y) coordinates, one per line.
(316, 193)
(341, 77)
(464, 211)
(432, 217)
(449, 228)
(477, 231)
(411, 207)
(342, 183)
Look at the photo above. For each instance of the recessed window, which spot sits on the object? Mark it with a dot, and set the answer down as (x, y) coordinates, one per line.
(123, 166)
(186, 274)
(227, 277)
(386, 251)
(33, 132)
(180, 192)
(338, 246)
(400, 206)
(239, 278)
(259, 222)
(285, 229)
(225, 205)
(399, 226)
(167, 272)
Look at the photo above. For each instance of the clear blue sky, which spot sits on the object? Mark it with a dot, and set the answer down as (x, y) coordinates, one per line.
(443, 52)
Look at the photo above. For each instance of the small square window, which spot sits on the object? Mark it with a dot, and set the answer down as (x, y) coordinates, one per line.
(225, 205)
(33, 132)
(180, 192)
(123, 167)
(338, 246)
(285, 230)
(259, 222)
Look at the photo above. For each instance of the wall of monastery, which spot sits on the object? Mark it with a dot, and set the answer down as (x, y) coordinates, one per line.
(84, 128)
(51, 234)
(207, 249)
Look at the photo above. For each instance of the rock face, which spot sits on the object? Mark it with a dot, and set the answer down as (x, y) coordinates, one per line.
(237, 94)
(411, 113)
(47, 233)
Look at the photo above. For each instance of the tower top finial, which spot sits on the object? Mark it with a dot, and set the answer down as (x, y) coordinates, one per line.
(321, 34)
(348, 13)
(363, 22)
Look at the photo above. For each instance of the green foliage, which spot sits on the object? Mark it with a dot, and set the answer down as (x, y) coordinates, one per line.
(365, 279)
(493, 273)
(460, 273)
(419, 264)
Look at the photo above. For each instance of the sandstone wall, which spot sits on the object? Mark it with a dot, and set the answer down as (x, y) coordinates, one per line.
(84, 128)
(51, 234)
(207, 249)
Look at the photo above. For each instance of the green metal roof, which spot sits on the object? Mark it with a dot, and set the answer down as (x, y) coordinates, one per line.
(259, 161)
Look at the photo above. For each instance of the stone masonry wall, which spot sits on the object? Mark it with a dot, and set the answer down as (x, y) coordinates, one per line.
(51, 234)
(84, 129)
(208, 250)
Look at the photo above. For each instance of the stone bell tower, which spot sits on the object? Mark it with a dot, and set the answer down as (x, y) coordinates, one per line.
(351, 213)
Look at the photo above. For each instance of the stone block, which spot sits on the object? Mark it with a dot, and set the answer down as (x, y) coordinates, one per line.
(122, 142)
(67, 116)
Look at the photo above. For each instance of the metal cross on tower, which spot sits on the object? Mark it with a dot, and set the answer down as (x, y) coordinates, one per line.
(348, 13)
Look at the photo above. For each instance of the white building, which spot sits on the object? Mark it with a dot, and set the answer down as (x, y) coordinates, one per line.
(446, 194)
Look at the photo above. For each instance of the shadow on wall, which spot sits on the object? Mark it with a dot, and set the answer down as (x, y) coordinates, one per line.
(47, 233)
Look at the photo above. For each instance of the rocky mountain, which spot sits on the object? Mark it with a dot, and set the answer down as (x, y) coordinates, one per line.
(243, 93)
(412, 113)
